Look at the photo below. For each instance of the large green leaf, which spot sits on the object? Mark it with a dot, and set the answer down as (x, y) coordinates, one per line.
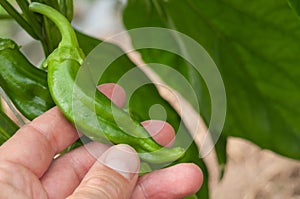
(295, 4)
(255, 46)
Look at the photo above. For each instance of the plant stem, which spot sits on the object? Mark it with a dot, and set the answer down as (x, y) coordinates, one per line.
(11, 107)
(5, 16)
(16, 15)
(29, 16)
(67, 32)
(52, 35)
(66, 8)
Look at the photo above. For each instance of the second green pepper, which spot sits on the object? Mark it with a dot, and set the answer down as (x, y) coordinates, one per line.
(25, 84)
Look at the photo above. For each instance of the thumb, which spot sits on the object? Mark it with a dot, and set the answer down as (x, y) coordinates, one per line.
(113, 176)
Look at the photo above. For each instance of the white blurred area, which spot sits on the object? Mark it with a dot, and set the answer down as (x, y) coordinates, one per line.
(102, 19)
(99, 18)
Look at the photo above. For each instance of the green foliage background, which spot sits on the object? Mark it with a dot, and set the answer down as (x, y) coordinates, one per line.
(255, 46)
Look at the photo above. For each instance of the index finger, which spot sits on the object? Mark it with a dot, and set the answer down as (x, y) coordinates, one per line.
(35, 145)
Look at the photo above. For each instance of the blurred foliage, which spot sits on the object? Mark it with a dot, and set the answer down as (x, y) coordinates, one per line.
(254, 46)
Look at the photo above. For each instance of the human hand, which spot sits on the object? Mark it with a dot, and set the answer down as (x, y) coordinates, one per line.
(28, 168)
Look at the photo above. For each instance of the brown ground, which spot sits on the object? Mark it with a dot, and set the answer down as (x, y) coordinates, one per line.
(253, 173)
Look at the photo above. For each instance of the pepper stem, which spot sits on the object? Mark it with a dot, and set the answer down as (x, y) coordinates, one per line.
(68, 35)
(68, 47)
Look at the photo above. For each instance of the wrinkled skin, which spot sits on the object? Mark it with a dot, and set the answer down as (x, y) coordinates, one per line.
(28, 168)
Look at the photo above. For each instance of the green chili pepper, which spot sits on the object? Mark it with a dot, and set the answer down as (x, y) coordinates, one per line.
(25, 84)
(63, 64)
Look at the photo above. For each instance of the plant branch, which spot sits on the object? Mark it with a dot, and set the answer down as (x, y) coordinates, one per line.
(5, 16)
(29, 16)
(18, 17)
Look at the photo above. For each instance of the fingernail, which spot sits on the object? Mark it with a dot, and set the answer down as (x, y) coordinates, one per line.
(123, 159)
(114, 92)
(96, 149)
(162, 132)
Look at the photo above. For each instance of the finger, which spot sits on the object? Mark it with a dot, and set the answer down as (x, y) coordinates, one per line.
(114, 92)
(113, 176)
(66, 172)
(34, 145)
(173, 182)
(162, 132)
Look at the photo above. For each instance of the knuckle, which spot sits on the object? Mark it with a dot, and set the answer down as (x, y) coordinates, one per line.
(5, 173)
(105, 186)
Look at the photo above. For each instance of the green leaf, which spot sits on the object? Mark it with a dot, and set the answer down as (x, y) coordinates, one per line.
(86, 43)
(255, 47)
(221, 153)
(7, 127)
(5, 16)
(66, 8)
(295, 4)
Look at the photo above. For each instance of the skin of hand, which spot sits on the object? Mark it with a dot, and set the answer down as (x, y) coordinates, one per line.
(28, 168)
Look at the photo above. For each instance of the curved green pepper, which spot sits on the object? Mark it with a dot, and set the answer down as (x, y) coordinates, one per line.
(25, 84)
(63, 65)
